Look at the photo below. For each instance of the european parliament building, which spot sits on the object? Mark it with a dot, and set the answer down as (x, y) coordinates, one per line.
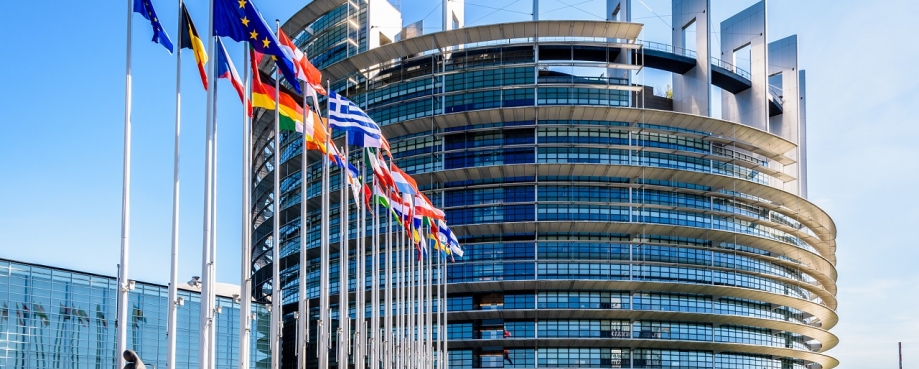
(65, 319)
(603, 226)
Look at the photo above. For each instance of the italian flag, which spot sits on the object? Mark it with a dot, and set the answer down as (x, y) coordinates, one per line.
(291, 113)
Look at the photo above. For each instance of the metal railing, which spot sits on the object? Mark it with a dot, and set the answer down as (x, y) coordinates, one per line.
(776, 93)
(668, 49)
(730, 67)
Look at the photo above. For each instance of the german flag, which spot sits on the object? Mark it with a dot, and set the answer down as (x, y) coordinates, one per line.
(189, 40)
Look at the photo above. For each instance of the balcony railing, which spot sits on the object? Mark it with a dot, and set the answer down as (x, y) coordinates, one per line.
(668, 49)
(730, 67)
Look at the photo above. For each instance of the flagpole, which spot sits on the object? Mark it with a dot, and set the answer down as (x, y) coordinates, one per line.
(441, 307)
(446, 353)
(122, 330)
(206, 309)
(376, 340)
(411, 294)
(360, 283)
(172, 303)
(324, 273)
(303, 307)
(387, 313)
(245, 300)
(212, 293)
(399, 340)
(344, 319)
(429, 312)
(276, 313)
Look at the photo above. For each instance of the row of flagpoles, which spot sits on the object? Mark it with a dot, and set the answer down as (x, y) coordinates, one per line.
(411, 333)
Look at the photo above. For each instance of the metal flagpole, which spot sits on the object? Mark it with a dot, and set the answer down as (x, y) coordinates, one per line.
(206, 310)
(173, 303)
(375, 340)
(245, 300)
(440, 308)
(418, 315)
(360, 284)
(344, 319)
(400, 295)
(276, 313)
(303, 307)
(324, 324)
(122, 330)
(212, 277)
(446, 338)
(430, 305)
(412, 294)
(388, 307)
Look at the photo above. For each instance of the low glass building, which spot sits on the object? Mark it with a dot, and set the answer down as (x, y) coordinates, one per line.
(59, 318)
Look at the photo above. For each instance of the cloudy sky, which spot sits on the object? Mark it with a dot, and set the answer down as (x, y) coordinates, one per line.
(63, 103)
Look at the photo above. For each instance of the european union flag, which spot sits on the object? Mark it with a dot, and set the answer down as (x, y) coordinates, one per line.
(241, 21)
(145, 8)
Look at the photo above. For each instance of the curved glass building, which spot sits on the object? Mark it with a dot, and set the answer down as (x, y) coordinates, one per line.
(604, 227)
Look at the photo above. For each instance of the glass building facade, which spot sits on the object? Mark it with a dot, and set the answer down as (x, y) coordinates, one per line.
(598, 233)
(57, 318)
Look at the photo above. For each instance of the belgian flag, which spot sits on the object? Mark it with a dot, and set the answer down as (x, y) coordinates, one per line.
(189, 39)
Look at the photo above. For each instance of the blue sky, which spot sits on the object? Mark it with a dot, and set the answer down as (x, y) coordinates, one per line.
(63, 103)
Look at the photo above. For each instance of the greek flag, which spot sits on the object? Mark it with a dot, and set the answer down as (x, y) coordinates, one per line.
(346, 116)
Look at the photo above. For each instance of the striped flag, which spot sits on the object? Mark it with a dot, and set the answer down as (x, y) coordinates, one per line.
(404, 182)
(306, 72)
(189, 39)
(423, 207)
(226, 69)
(315, 131)
(380, 171)
(346, 116)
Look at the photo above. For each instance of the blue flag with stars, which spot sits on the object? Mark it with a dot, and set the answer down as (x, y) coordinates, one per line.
(241, 21)
(145, 8)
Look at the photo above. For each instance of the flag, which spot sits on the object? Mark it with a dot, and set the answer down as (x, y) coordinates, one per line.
(423, 207)
(64, 311)
(382, 198)
(452, 242)
(291, 113)
(241, 21)
(368, 197)
(41, 314)
(145, 8)
(82, 317)
(354, 182)
(334, 155)
(20, 319)
(346, 116)
(189, 39)
(136, 318)
(306, 72)
(226, 69)
(380, 171)
(404, 182)
(314, 131)
(100, 317)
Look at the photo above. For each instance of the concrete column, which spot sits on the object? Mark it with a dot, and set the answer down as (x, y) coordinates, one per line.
(748, 107)
(454, 14)
(692, 91)
(783, 91)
